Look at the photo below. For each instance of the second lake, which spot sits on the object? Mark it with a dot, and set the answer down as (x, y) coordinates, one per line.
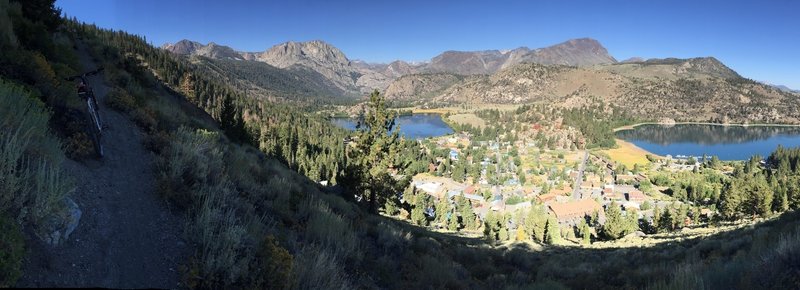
(726, 142)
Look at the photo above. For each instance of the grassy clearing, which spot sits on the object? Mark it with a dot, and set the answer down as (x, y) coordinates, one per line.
(628, 154)
(469, 118)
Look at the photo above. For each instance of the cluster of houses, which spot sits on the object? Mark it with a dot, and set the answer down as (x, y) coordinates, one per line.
(560, 202)
(597, 190)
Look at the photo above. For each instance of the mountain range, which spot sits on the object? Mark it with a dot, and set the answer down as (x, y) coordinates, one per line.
(573, 73)
(354, 78)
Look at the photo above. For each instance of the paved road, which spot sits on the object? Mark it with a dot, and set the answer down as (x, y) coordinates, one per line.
(578, 179)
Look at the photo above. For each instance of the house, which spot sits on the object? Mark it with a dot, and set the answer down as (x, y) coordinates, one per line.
(572, 211)
(630, 205)
(635, 196)
(547, 197)
(622, 189)
(429, 187)
(474, 198)
(469, 190)
(573, 174)
(498, 205)
(566, 191)
(453, 154)
(518, 206)
(626, 178)
(707, 213)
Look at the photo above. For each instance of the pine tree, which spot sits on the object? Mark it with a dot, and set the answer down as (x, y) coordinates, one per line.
(502, 235)
(453, 224)
(418, 211)
(616, 225)
(442, 208)
(536, 223)
(552, 234)
(730, 200)
(654, 223)
(667, 221)
(781, 202)
(369, 162)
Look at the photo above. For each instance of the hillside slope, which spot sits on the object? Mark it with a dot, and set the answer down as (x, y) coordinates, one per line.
(699, 89)
(127, 237)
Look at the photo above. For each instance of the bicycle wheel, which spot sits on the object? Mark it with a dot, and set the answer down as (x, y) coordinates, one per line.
(95, 129)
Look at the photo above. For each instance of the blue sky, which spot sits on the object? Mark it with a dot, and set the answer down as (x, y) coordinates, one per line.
(759, 39)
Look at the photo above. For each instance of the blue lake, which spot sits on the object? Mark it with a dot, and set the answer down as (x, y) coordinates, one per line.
(415, 126)
(726, 142)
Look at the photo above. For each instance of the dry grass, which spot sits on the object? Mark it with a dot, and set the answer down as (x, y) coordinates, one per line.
(462, 109)
(445, 110)
(470, 119)
(628, 154)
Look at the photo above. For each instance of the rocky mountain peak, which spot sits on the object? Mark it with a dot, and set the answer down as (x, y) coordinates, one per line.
(574, 52)
(183, 47)
(290, 53)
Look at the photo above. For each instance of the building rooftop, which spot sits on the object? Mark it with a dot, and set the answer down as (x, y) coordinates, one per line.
(573, 209)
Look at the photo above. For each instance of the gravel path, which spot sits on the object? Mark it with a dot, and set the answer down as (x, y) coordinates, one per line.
(127, 237)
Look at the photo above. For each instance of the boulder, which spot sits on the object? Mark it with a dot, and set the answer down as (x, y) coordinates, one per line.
(58, 225)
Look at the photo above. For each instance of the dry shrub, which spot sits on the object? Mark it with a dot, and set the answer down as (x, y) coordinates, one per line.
(121, 100)
(275, 270)
(79, 146)
(192, 161)
(157, 142)
(318, 269)
(145, 118)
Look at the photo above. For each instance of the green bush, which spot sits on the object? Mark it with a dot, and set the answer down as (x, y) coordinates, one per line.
(31, 181)
(275, 265)
(317, 269)
(11, 252)
(121, 100)
(192, 160)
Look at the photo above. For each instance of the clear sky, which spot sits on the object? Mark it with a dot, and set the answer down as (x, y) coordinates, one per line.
(759, 39)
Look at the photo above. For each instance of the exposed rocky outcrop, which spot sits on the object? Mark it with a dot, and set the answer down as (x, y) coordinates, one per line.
(58, 225)
(412, 87)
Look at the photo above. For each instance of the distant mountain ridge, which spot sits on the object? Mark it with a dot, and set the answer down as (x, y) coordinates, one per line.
(355, 78)
(784, 88)
(568, 74)
(574, 52)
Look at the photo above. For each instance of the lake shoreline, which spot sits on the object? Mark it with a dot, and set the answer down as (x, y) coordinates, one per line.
(633, 126)
(758, 145)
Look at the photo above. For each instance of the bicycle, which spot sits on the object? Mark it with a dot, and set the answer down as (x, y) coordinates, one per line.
(95, 124)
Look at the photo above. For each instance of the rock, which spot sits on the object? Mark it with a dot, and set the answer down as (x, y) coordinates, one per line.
(58, 225)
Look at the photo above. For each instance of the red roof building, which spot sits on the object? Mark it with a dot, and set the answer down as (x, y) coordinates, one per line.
(635, 195)
(568, 212)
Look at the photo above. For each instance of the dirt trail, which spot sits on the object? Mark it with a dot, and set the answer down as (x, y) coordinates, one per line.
(127, 237)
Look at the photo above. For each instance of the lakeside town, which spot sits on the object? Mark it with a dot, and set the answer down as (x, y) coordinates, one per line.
(570, 182)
